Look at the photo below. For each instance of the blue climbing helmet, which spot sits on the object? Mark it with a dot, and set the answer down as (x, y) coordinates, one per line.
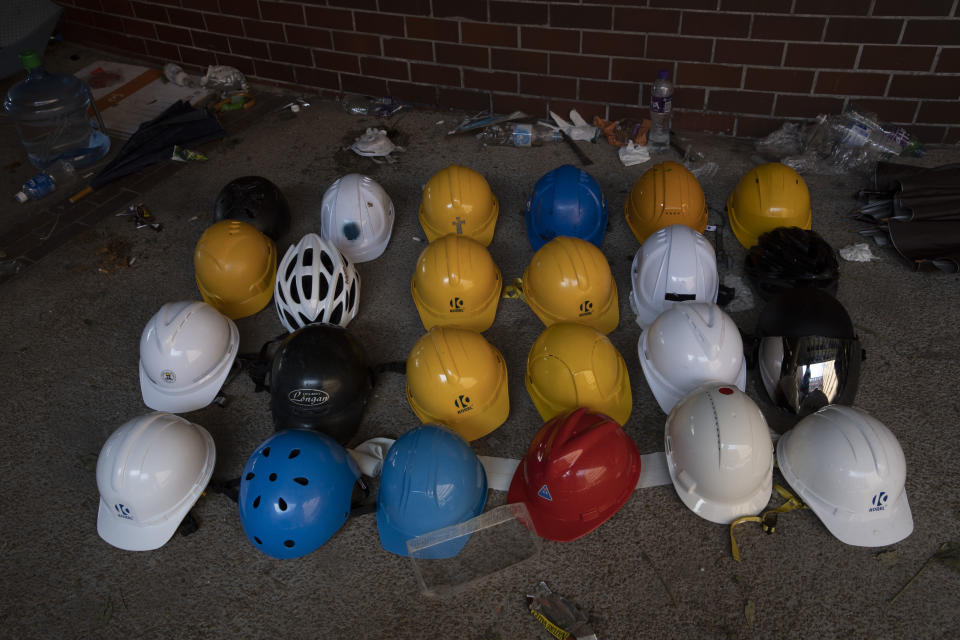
(296, 492)
(566, 202)
(431, 479)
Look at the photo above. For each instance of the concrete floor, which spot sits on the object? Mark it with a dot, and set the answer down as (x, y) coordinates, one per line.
(69, 375)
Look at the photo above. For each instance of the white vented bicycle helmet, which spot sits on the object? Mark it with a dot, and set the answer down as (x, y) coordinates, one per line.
(674, 264)
(316, 283)
(357, 217)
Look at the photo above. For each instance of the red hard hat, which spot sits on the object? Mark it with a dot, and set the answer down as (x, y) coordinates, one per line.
(580, 469)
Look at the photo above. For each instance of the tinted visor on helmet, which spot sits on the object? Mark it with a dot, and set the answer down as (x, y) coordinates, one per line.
(804, 374)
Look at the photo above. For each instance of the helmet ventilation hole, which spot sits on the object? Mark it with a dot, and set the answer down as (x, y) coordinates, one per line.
(352, 294)
(324, 287)
(282, 504)
(302, 320)
(327, 261)
(339, 288)
(302, 481)
(273, 477)
(266, 452)
(307, 282)
(307, 258)
(336, 314)
(295, 295)
(293, 453)
(250, 475)
(288, 543)
(256, 502)
(290, 319)
(258, 541)
(289, 272)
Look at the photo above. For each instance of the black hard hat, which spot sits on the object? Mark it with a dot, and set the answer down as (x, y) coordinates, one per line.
(788, 257)
(254, 200)
(809, 355)
(320, 380)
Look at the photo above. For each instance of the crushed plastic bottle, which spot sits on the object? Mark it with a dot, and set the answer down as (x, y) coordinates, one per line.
(43, 184)
(517, 134)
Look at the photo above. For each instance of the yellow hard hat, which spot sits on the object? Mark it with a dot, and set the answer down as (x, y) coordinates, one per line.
(572, 365)
(666, 194)
(569, 280)
(456, 284)
(458, 379)
(768, 196)
(458, 200)
(236, 266)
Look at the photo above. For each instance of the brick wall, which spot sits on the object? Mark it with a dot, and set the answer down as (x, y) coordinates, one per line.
(742, 67)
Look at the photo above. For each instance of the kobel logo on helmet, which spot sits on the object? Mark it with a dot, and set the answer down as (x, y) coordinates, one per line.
(878, 501)
(458, 223)
(462, 404)
(168, 376)
(586, 308)
(122, 511)
(456, 305)
(308, 397)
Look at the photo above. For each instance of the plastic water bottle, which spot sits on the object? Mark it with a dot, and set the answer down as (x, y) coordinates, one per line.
(43, 184)
(661, 109)
(516, 134)
(51, 113)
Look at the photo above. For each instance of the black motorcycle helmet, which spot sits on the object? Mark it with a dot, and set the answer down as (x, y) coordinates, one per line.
(254, 200)
(320, 380)
(809, 354)
(789, 257)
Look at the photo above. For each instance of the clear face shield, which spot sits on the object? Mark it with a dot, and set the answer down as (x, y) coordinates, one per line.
(804, 374)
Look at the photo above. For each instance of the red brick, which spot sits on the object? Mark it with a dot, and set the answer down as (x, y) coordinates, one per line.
(619, 112)
(308, 36)
(863, 30)
(430, 29)
(196, 57)
(549, 86)
(946, 32)
(125, 43)
(900, 58)
(627, 45)
(223, 24)
(93, 5)
(117, 7)
(435, 74)
(267, 69)
(725, 25)
(953, 136)
(384, 68)
(369, 5)
(851, 84)
(363, 85)
(463, 55)
(806, 106)
(410, 49)
(263, 30)
(519, 60)
(565, 15)
(835, 7)
(489, 34)
(888, 110)
(162, 50)
(928, 133)
(356, 43)
(708, 75)
(173, 35)
(412, 7)
(111, 23)
(757, 6)
(820, 56)
(622, 92)
(291, 54)
(714, 122)
(249, 48)
(470, 9)
(685, 97)
(790, 80)
(200, 5)
(925, 8)
(927, 86)
(680, 48)
(311, 77)
(378, 23)
(748, 52)
(244, 65)
(503, 103)
(336, 61)
(579, 66)
(636, 70)
(139, 28)
(72, 17)
(949, 61)
(786, 28)
(245, 8)
(414, 93)
(685, 4)
(148, 11)
(282, 12)
(740, 101)
(329, 18)
(518, 12)
(750, 127)
(463, 99)
(549, 39)
(646, 20)
(490, 80)
(212, 41)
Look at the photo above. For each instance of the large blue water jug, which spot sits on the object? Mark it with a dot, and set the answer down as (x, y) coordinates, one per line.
(53, 116)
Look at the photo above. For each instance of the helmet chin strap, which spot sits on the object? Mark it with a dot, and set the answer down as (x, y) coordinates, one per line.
(768, 519)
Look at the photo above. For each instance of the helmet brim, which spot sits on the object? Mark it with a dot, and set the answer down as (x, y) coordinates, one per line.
(722, 512)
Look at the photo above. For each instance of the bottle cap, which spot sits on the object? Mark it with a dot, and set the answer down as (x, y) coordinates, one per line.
(30, 60)
(20, 197)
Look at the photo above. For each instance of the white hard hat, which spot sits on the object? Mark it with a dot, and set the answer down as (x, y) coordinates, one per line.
(674, 264)
(315, 283)
(719, 453)
(849, 469)
(150, 473)
(357, 216)
(186, 351)
(690, 344)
